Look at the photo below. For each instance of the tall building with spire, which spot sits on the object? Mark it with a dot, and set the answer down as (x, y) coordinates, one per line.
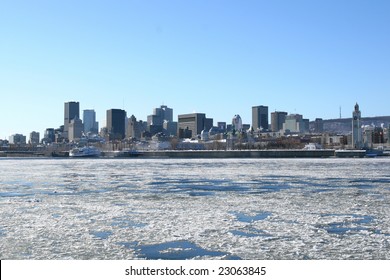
(357, 135)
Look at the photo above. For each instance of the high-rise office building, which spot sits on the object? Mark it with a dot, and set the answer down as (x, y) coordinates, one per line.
(17, 139)
(295, 123)
(165, 112)
(277, 120)
(319, 125)
(160, 116)
(306, 125)
(170, 128)
(75, 129)
(260, 117)
(116, 124)
(135, 128)
(89, 120)
(34, 138)
(50, 135)
(191, 125)
(221, 126)
(71, 111)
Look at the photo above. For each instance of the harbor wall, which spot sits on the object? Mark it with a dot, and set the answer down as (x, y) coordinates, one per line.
(350, 153)
(241, 154)
(210, 154)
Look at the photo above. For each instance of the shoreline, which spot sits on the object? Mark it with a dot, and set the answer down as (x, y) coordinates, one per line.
(293, 153)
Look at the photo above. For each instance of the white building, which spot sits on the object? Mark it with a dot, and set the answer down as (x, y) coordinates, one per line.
(237, 123)
(204, 135)
(294, 123)
(357, 135)
(368, 133)
(75, 129)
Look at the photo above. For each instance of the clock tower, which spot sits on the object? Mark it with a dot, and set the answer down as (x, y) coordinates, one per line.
(357, 135)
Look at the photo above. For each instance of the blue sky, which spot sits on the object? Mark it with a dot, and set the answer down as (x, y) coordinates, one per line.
(215, 57)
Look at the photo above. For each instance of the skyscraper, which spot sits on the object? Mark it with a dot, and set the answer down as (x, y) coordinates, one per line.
(277, 120)
(17, 139)
(34, 138)
(116, 124)
(89, 120)
(75, 129)
(167, 113)
(71, 111)
(260, 117)
(193, 124)
(319, 125)
(295, 123)
(135, 128)
(161, 116)
(170, 128)
(50, 135)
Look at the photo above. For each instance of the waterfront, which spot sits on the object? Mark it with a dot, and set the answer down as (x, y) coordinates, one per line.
(195, 208)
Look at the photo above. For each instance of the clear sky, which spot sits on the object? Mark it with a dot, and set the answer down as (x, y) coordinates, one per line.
(218, 57)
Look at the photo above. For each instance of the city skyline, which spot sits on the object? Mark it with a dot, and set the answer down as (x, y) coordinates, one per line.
(220, 58)
(277, 121)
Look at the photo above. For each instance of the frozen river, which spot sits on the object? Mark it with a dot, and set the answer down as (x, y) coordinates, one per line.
(195, 209)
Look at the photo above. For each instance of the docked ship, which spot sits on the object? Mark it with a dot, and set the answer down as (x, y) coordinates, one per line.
(89, 151)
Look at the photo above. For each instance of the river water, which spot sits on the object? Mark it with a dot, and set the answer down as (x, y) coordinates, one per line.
(195, 209)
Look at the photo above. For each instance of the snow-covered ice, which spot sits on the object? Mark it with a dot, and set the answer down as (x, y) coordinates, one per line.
(197, 209)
